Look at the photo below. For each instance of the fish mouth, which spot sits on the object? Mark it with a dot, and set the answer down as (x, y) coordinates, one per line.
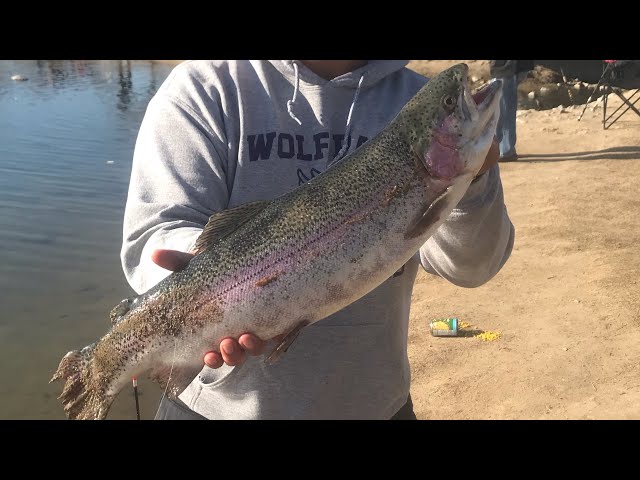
(484, 96)
(473, 105)
(480, 107)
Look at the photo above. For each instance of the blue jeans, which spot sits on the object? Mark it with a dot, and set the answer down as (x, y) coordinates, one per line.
(506, 129)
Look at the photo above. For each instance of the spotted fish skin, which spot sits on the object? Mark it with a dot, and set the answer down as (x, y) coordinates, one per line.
(269, 267)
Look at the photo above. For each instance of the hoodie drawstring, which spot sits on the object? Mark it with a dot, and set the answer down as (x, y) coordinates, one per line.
(348, 127)
(295, 94)
(296, 88)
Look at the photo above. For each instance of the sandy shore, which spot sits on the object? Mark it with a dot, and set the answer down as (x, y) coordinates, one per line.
(567, 303)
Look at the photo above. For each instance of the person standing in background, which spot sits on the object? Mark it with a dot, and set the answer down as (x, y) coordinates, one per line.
(511, 72)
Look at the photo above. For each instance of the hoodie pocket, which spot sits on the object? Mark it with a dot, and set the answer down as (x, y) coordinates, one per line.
(211, 378)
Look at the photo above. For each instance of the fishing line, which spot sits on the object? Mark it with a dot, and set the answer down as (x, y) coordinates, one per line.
(173, 361)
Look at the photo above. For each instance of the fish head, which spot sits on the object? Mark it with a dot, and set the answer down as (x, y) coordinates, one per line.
(450, 128)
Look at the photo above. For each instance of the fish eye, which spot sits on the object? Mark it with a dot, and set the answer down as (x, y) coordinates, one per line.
(448, 101)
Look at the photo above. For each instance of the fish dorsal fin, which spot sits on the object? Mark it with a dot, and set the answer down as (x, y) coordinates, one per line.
(223, 223)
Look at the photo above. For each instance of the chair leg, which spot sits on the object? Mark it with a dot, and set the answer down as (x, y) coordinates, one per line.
(627, 102)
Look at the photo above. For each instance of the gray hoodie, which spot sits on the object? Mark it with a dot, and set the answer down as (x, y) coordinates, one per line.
(218, 134)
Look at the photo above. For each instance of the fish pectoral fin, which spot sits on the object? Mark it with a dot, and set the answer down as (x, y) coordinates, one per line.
(223, 223)
(174, 381)
(431, 216)
(286, 342)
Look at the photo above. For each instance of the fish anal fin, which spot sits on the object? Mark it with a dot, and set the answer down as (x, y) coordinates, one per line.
(223, 223)
(286, 342)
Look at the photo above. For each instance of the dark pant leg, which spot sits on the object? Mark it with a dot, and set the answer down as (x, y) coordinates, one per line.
(175, 410)
(406, 412)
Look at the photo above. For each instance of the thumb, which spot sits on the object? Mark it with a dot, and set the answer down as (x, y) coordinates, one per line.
(173, 260)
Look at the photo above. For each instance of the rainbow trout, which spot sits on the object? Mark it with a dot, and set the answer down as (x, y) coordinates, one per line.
(273, 267)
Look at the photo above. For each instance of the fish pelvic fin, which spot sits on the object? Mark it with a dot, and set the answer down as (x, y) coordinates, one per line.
(82, 398)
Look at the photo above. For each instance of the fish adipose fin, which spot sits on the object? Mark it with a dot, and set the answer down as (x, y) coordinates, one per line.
(120, 310)
(223, 223)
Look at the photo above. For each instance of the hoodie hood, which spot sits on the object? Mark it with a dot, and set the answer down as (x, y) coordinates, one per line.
(373, 72)
(358, 79)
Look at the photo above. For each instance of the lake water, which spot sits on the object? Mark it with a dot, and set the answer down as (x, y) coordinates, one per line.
(66, 143)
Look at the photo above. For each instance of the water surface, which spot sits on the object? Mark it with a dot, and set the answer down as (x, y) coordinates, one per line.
(66, 143)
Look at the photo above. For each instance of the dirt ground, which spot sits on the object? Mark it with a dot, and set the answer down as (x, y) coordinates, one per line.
(567, 303)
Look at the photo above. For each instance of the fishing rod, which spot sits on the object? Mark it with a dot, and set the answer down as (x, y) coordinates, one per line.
(135, 394)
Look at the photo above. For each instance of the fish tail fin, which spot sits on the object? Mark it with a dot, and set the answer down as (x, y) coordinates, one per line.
(82, 397)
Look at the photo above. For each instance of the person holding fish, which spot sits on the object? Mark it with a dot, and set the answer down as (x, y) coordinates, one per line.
(220, 142)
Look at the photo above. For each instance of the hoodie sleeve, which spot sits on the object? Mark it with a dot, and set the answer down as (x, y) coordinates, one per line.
(178, 180)
(476, 240)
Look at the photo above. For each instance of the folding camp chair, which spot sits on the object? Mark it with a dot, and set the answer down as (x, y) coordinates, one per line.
(616, 75)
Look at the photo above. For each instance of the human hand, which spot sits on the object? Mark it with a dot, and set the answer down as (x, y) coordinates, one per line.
(232, 352)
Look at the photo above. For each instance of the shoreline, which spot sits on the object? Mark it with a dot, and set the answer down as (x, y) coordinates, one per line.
(543, 89)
